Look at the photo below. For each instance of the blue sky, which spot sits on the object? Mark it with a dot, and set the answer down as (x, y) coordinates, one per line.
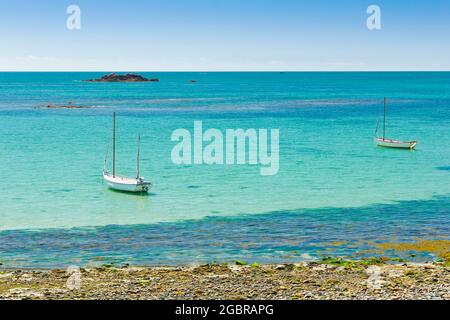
(224, 35)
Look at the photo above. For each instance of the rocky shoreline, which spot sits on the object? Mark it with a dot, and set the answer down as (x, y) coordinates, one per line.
(355, 280)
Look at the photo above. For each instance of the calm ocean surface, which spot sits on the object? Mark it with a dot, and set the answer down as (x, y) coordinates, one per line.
(333, 185)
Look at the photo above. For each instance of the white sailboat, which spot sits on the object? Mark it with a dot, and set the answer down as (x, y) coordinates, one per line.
(122, 183)
(390, 143)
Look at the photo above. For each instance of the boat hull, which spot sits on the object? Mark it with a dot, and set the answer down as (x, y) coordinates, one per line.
(126, 184)
(388, 143)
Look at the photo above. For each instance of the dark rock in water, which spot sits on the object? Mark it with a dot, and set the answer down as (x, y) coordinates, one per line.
(192, 81)
(70, 106)
(443, 168)
(129, 77)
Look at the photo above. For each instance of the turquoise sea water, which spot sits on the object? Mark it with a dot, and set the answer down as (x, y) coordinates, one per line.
(333, 183)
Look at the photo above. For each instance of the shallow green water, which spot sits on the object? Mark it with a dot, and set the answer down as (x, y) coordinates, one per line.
(51, 160)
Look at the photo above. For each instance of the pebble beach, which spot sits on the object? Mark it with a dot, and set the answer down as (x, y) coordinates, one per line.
(306, 281)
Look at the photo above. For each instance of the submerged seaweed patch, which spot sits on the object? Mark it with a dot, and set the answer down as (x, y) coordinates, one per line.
(273, 237)
(337, 243)
(440, 248)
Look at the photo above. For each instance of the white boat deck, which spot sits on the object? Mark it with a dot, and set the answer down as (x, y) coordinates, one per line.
(383, 142)
(120, 179)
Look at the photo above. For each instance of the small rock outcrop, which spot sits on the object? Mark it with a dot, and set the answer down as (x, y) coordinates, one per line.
(66, 107)
(129, 77)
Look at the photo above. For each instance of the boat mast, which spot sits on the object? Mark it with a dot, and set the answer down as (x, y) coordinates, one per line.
(384, 120)
(138, 155)
(114, 146)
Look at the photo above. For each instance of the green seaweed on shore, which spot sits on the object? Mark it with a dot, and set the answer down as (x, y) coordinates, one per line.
(241, 263)
(445, 259)
(331, 260)
(375, 260)
(210, 264)
(337, 261)
(397, 259)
